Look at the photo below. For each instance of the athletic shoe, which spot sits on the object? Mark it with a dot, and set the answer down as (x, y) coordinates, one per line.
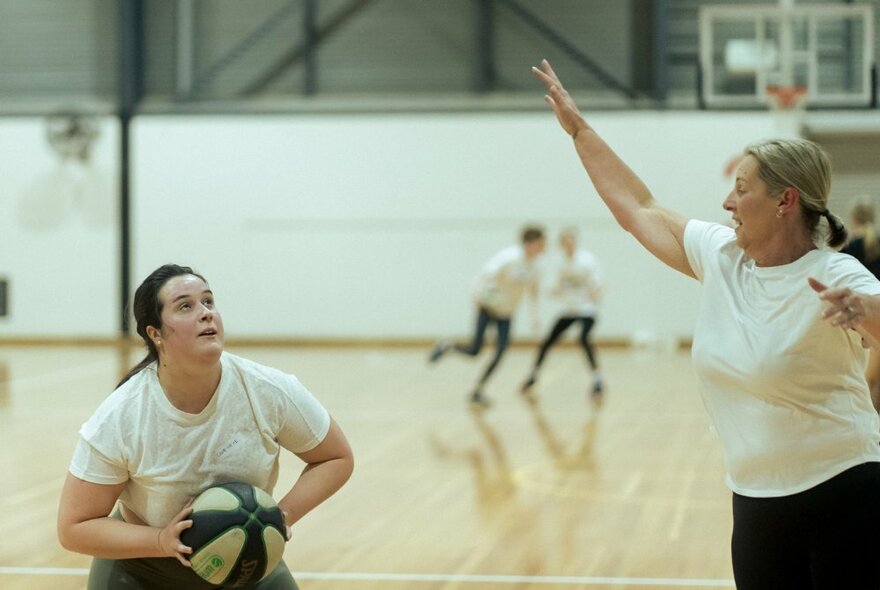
(439, 350)
(597, 392)
(478, 400)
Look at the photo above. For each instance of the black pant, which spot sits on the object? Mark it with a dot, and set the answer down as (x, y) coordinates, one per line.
(502, 327)
(562, 324)
(822, 538)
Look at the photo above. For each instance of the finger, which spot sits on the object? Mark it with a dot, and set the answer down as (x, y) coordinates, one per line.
(181, 548)
(183, 560)
(816, 285)
(549, 69)
(183, 525)
(542, 76)
(187, 510)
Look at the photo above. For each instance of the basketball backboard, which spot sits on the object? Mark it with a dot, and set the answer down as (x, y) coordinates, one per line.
(828, 49)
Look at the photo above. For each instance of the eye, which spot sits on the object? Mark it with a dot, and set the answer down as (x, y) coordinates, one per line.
(208, 302)
(184, 306)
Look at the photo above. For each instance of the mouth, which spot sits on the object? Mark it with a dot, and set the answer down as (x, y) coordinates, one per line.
(208, 332)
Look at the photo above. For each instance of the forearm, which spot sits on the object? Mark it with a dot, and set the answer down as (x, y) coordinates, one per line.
(316, 483)
(111, 538)
(619, 187)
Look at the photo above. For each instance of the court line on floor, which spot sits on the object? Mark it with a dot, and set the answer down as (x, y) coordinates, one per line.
(484, 578)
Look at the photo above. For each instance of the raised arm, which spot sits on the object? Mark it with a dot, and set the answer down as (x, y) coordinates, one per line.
(658, 229)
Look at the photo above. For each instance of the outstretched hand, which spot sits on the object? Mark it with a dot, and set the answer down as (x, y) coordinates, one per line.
(563, 104)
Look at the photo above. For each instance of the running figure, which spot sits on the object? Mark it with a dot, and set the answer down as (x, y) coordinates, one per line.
(579, 286)
(505, 278)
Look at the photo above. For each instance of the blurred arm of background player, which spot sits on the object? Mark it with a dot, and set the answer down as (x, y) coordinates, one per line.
(659, 230)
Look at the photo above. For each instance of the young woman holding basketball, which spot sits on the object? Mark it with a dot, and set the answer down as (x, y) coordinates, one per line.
(188, 416)
(778, 348)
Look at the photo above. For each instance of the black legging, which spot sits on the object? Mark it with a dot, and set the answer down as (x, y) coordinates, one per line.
(562, 324)
(824, 538)
(502, 327)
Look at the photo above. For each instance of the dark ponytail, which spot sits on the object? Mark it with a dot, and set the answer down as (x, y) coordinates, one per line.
(837, 234)
(147, 310)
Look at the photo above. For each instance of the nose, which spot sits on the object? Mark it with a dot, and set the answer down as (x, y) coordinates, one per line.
(728, 203)
(207, 313)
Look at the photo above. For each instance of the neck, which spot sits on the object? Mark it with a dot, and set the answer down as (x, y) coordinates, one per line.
(189, 389)
(784, 248)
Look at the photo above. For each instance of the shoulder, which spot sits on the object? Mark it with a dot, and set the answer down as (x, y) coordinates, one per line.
(708, 232)
(504, 257)
(510, 253)
(710, 246)
(586, 258)
(255, 372)
(124, 405)
(261, 381)
(842, 269)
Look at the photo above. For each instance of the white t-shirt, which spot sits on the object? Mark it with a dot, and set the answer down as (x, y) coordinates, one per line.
(580, 278)
(168, 456)
(784, 388)
(505, 278)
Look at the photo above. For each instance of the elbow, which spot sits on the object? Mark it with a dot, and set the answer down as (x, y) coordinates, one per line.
(66, 537)
(347, 467)
(626, 221)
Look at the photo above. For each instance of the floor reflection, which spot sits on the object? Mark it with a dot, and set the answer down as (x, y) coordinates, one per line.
(566, 457)
(4, 384)
(487, 459)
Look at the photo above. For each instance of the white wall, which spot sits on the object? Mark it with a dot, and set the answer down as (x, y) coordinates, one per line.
(345, 226)
(58, 234)
(373, 226)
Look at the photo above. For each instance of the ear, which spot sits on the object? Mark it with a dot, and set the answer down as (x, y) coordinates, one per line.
(788, 199)
(153, 333)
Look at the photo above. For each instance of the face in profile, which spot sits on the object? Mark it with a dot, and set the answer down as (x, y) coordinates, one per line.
(752, 209)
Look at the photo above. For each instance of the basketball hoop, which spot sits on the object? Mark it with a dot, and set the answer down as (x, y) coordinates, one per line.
(788, 104)
(786, 98)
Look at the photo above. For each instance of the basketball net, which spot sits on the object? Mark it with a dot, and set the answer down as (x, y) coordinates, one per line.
(788, 105)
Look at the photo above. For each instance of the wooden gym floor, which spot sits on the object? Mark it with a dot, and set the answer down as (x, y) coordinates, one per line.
(552, 494)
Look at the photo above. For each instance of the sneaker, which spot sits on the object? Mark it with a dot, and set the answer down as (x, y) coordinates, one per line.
(480, 401)
(597, 392)
(439, 350)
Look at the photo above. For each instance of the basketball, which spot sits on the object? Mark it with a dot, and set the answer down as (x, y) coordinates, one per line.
(238, 534)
